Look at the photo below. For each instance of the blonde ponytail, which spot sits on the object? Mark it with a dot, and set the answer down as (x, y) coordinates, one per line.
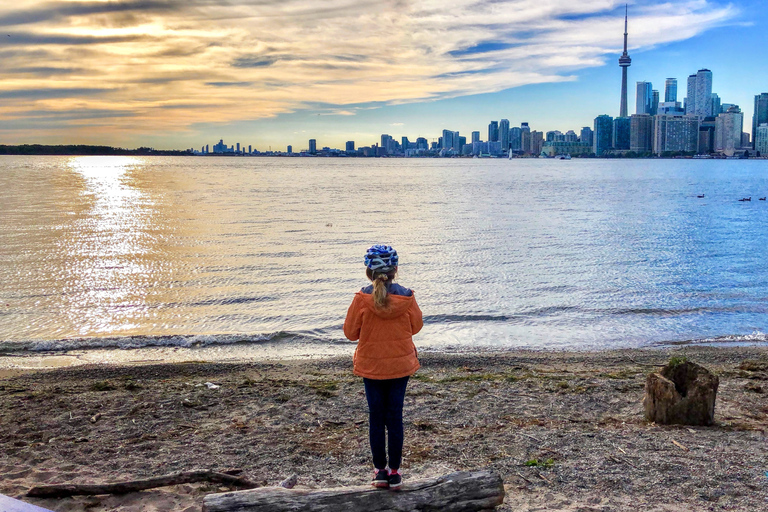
(380, 299)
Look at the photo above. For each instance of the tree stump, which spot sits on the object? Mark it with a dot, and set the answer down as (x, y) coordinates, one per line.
(470, 491)
(682, 393)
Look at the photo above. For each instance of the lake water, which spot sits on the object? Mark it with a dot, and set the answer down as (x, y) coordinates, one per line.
(265, 253)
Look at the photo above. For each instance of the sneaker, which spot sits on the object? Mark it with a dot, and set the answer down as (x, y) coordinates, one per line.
(380, 478)
(395, 479)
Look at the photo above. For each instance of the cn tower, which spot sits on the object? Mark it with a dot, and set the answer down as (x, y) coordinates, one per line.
(624, 62)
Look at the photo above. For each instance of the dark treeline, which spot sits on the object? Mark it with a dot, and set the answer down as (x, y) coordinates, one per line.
(80, 149)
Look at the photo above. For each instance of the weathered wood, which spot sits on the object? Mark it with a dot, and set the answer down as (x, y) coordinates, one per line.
(681, 393)
(64, 490)
(469, 491)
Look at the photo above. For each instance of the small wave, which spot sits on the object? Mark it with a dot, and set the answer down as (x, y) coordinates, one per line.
(523, 315)
(136, 342)
(729, 339)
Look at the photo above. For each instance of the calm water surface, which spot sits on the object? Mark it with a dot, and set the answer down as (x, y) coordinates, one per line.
(133, 252)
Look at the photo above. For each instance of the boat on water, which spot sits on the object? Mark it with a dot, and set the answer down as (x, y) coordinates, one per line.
(562, 157)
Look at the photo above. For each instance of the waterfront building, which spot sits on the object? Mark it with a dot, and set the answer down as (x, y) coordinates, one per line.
(716, 105)
(670, 108)
(603, 134)
(515, 138)
(422, 144)
(493, 131)
(760, 115)
(504, 135)
(313, 146)
(524, 127)
(462, 141)
(525, 142)
(761, 139)
(728, 129)
(289, 150)
(690, 100)
(670, 90)
(676, 134)
(746, 141)
(586, 135)
(475, 137)
(570, 136)
(250, 149)
(537, 141)
(494, 148)
(624, 63)
(641, 133)
(707, 136)
(350, 146)
(552, 135)
(644, 98)
(238, 147)
(703, 93)
(555, 148)
(447, 140)
(621, 133)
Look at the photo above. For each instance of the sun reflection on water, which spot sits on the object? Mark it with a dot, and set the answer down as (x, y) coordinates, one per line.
(108, 269)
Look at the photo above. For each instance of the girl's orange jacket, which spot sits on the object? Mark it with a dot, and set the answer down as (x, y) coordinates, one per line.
(385, 349)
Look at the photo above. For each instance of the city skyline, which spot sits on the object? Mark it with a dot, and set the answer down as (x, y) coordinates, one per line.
(557, 71)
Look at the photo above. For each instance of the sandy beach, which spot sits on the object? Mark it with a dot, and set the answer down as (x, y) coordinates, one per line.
(564, 429)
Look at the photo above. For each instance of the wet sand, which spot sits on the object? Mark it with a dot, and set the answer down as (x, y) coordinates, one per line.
(565, 430)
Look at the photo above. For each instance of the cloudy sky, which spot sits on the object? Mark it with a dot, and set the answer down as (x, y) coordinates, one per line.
(183, 73)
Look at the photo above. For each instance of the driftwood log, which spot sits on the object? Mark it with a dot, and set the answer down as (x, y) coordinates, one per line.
(457, 492)
(65, 490)
(681, 393)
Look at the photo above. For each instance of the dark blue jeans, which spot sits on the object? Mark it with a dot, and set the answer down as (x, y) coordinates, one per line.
(385, 409)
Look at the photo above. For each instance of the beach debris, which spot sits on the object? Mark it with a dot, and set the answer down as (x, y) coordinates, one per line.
(290, 482)
(681, 393)
(463, 491)
(684, 448)
(95, 417)
(210, 385)
(66, 490)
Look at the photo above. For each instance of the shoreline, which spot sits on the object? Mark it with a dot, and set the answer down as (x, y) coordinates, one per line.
(563, 429)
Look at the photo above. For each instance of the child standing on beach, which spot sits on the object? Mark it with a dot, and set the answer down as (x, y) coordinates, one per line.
(384, 316)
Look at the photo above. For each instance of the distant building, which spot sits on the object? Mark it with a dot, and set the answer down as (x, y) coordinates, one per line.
(586, 135)
(350, 147)
(707, 136)
(525, 142)
(504, 135)
(515, 138)
(621, 133)
(312, 146)
(641, 133)
(644, 98)
(654, 102)
(717, 107)
(670, 90)
(570, 136)
(760, 115)
(761, 139)
(670, 108)
(238, 147)
(537, 142)
(699, 101)
(493, 131)
(603, 134)
(555, 148)
(728, 129)
(289, 150)
(475, 137)
(675, 134)
(422, 144)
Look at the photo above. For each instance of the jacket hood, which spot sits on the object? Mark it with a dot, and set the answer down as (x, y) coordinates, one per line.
(397, 305)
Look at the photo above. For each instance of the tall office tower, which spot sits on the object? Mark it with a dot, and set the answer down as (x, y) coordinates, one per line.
(703, 102)
(289, 150)
(475, 137)
(524, 127)
(761, 139)
(728, 128)
(760, 115)
(690, 101)
(515, 141)
(447, 139)
(654, 102)
(707, 136)
(422, 143)
(621, 133)
(207, 148)
(493, 131)
(537, 142)
(644, 98)
(405, 143)
(670, 90)
(624, 62)
(676, 134)
(313, 146)
(641, 133)
(586, 135)
(603, 134)
(716, 105)
(250, 149)
(238, 147)
(504, 135)
(525, 142)
(350, 146)
(457, 141)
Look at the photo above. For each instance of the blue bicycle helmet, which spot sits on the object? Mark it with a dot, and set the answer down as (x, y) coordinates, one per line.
(381, 258)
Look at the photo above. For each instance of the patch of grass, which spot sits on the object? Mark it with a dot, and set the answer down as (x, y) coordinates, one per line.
(754, 366)
(563, 385)
(536, 463)
(324, 389)
(131, 385)
(102, 385)
(422, 377)
(677, 361)
(475, 377)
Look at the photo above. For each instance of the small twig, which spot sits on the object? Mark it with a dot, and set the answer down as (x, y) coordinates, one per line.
(521, 476)
(679, 445)
(543, 477)
(532, 437)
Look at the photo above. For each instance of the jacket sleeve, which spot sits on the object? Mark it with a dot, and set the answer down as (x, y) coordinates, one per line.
(354, 321)
(416, 319)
